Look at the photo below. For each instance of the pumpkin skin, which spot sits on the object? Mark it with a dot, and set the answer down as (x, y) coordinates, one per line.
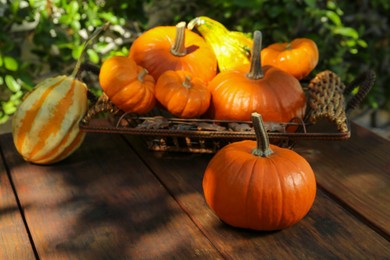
(266, 192)
(278, 96)
(127, 85)
(182, 94)
(297, 58)
(248, 88)
(45, 126)
(153, 51)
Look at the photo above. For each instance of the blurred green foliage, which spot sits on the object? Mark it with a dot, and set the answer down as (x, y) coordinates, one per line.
(41, 38)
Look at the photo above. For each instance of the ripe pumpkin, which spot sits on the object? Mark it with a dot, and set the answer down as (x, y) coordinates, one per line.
(45, 127)
(236, 94)
(231, 48)
(127, 85)
(182, 94)
(298, 57)
(174, 48)
(256, 185)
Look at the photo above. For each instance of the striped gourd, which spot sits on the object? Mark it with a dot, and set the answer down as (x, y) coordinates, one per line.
(45, 126)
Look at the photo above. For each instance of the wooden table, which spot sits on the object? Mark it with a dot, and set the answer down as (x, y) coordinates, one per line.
(115, 199)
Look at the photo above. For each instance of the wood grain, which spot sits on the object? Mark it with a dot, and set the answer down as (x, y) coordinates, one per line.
(356, 172)
(14, 241)
(102, 203)
(328, 231)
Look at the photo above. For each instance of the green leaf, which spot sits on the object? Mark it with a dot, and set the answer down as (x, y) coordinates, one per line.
(311, 3)
(93, 56)
(10, 63)
(9, 108)
(347, 31)
(333, 17)
(76, 52)
(73, 7)
(362, 43)
(12, 84)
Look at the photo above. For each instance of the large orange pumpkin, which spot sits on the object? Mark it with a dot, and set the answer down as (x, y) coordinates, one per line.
(174, 48)
(183, 94)
(259, 186)
(298, 57)
(236, 94)
(127, 85)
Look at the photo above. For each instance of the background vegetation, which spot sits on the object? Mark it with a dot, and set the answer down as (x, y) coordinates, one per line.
(42, 38)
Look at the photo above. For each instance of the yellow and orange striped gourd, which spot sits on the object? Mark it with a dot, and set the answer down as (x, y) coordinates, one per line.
(45, 127)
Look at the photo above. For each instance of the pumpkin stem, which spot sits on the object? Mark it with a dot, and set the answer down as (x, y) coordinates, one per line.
(142, 74)
(88, 42)
(256, 72)
(178, 48)
(187, 82)
(288, 46)
(263, 148)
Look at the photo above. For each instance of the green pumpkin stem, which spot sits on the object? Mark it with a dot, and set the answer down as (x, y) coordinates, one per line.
(142, 74)
(178, 48)
(256, 72)
(263, 148)
(187, 82)
(88, 42)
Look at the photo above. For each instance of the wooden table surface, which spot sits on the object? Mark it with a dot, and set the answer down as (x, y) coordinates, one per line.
(115, 199)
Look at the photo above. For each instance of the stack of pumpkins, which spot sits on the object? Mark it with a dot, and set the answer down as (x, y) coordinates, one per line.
(215, 73)
(223, 74)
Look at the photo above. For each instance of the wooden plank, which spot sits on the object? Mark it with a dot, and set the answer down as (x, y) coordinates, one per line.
(102, 203)
(14, 241)
(328, 231)
(355, 171)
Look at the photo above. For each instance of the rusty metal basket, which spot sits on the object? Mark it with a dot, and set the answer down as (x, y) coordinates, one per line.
(327, 97)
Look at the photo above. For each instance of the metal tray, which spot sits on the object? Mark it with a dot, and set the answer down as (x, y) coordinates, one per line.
(328, 99)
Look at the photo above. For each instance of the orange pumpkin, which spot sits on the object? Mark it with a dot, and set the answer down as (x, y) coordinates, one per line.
(259, 186)
(236, 94)
(174, 48)
(298, 57)
(182, 94)
(127, 85)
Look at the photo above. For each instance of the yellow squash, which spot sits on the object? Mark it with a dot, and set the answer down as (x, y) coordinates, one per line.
(231, 48)
(45, 127)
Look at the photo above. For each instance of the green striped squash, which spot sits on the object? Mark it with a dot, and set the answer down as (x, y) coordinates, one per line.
(45, 126)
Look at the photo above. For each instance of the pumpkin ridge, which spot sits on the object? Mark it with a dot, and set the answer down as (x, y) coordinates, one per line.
(246, 193)
(259, 196)
(302, 172)
(281, 189)
(55, 124)
(30, 114)
(72, 147)
(61, 148)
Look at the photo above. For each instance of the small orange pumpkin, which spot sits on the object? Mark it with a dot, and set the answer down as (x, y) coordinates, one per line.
(182, 94)
(174, 48)
(298, 57)
(236, 94)
(257, 185)
(127, 85)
